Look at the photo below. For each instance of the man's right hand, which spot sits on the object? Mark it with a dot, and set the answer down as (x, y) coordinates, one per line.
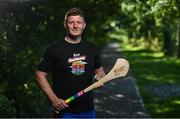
(59, 104)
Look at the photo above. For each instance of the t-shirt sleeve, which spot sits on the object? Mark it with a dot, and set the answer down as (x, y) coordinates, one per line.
(98, 62)
(47, 61)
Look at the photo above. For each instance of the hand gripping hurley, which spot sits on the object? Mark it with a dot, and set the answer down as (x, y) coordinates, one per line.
(120, 69)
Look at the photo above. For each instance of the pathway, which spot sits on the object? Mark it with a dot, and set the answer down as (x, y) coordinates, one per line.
(118, 98)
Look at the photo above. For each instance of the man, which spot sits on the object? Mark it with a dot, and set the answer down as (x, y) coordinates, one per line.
(73, 63)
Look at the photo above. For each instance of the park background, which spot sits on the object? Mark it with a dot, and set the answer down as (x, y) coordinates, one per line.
(148, 32)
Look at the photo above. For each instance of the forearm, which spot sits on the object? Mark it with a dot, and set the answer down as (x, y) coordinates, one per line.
(45, 86)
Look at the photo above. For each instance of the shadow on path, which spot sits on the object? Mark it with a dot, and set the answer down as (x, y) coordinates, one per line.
(119, 97)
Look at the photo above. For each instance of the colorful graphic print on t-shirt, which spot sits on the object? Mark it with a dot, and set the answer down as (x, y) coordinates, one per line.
(77, 63)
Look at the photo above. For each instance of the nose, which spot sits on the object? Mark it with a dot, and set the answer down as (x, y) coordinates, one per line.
(75, 25)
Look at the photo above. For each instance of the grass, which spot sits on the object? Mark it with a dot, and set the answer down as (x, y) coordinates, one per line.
(153, 68)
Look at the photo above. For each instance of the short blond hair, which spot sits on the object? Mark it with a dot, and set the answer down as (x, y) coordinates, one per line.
(73, 12)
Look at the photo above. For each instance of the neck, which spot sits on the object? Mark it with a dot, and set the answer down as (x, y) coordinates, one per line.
(73, 39)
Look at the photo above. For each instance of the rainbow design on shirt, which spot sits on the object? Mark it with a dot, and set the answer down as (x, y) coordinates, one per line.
(78, 67)
(77, 63)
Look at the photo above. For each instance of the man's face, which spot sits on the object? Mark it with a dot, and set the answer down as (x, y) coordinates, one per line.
(75, 25)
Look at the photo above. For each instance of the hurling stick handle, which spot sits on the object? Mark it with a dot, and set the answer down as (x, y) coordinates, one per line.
(80, 93)
(89, 88)
(96, 84)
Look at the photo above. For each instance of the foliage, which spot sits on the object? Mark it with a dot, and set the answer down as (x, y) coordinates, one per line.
(154, 19)
(7, 110)
(152, 69)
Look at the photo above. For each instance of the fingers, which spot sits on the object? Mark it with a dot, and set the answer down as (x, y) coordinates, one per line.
(95, 78)
(59, 105)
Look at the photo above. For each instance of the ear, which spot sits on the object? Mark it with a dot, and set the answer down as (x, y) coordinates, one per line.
(84, 26)
(65, 25)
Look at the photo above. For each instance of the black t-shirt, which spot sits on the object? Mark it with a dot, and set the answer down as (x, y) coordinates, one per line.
(72, 67)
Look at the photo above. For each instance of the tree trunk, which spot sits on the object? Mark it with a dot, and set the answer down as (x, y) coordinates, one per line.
(167, 42)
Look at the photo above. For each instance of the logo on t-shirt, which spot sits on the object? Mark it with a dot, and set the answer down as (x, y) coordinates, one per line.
(77, 64)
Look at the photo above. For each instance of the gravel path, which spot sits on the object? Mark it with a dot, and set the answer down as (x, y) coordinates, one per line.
(119, 98)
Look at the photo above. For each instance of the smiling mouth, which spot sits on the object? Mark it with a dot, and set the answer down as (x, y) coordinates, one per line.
(75, 30)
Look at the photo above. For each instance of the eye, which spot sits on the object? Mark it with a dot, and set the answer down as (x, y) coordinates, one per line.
(79, 22)
(70, 22)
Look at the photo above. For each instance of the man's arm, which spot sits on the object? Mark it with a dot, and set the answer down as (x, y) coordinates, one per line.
(42, 81)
